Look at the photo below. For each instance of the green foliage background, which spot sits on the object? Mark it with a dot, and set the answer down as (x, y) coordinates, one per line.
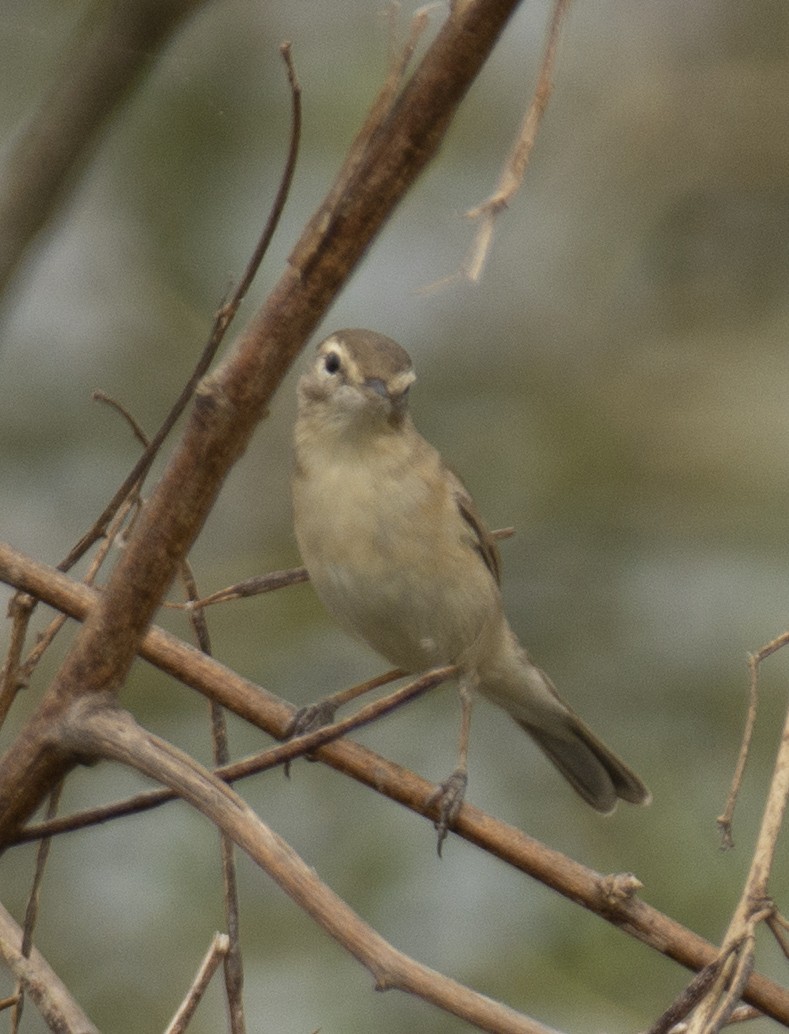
(615, 387)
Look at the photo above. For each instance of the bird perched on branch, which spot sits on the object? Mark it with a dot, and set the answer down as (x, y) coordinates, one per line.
(398, 553)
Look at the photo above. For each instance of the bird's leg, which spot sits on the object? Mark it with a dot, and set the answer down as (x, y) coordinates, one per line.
(321, 713)
(449, 796)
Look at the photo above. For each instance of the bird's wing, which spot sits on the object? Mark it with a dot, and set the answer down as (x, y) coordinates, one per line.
(482, 540)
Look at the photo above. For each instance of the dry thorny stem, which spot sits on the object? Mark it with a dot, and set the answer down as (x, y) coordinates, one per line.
(712, 998)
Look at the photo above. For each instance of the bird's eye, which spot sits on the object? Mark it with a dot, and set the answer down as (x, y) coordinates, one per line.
(331, 363)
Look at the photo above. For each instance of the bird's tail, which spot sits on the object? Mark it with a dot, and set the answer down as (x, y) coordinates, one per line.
(591, 768)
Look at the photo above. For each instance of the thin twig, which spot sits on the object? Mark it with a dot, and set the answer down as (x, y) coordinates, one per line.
(213, 957)
(114, 530)
(20, 609)
(33, 902)
(137, 431)
(755, 905)
(754, 660)
(249, 587)
(257, 763)
(233, 961)
(16, 674)
(222, 321)
(515, 166)
(687, 1000)
(263, 583)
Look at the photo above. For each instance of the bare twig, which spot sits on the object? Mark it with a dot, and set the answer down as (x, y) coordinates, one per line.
(257, 763)
(20, 608)
(754, 660)
(213, 958)
(33, 902)
(755, 905)
(679, 1009)
(16, 674)
(514, 169)
(272, 581)
(515, 166)
(222, 320)
(232, 958)
(249, 587)
(114, 529)
(136, 429)
(42, 985)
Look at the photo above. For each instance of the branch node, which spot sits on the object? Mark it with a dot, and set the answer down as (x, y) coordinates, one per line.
(619, 888)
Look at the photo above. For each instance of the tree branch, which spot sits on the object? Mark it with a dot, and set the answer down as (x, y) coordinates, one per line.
(611, 899)
(98, 76)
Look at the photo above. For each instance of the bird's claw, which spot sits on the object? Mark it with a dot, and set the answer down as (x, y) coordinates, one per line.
(448, 798)
(312, 717)
(308, 719)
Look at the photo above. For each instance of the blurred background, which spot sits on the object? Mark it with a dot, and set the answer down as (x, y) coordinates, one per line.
(615, 388)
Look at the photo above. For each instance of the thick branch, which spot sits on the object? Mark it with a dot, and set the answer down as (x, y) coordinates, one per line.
(234, 398)
(97, 77)
(562, 874)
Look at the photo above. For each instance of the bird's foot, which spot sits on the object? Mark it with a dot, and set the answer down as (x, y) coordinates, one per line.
(308, 719)
(312, 717)
(448, 798)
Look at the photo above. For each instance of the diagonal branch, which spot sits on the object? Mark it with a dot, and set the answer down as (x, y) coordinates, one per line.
(42, 985)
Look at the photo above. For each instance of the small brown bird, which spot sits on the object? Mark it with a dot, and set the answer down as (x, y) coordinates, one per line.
(398, 553)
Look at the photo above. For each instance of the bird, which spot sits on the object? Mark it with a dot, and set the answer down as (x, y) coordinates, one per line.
(398, 553)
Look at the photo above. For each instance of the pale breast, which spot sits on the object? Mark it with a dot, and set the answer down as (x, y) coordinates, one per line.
(390, 556)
